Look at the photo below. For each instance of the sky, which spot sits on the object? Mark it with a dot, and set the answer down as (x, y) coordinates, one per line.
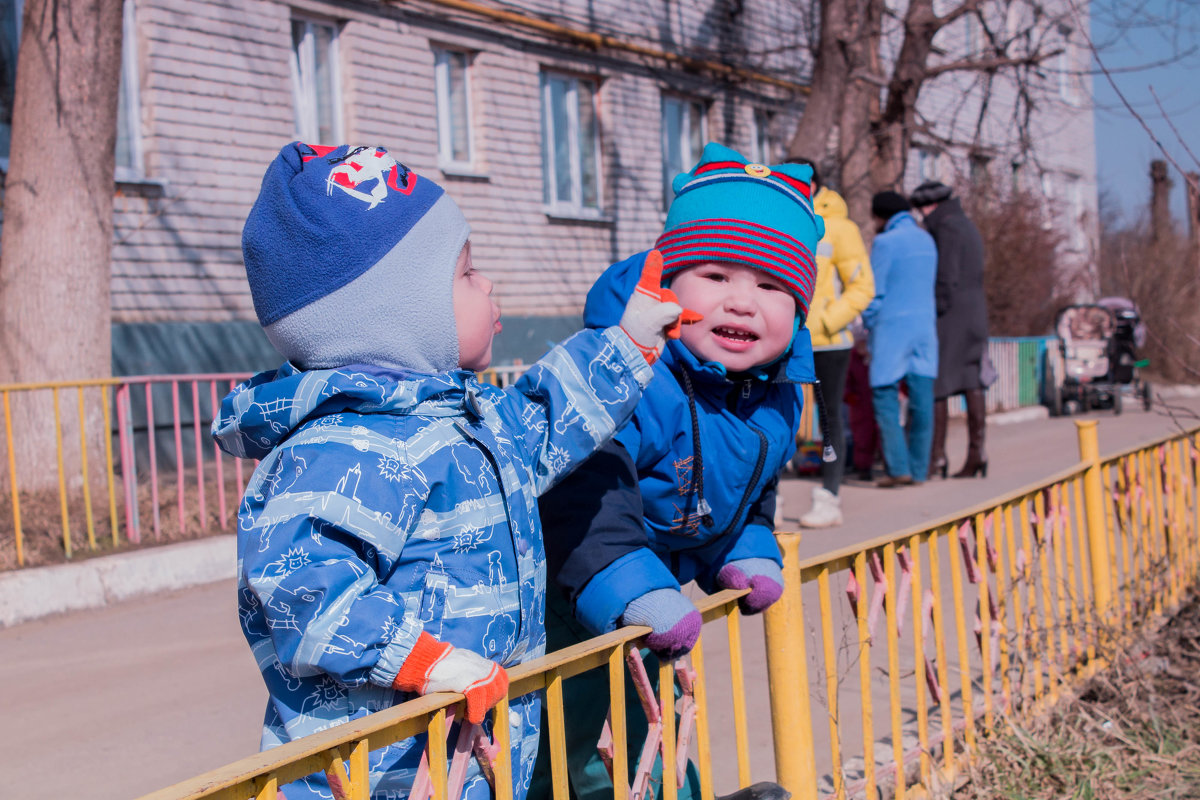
(1133, 39)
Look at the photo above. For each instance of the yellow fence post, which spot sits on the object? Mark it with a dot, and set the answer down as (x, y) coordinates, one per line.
(787, 670)
(1093, 493)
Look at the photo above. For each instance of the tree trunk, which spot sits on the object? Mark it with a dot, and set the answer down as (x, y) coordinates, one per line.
(55, 273)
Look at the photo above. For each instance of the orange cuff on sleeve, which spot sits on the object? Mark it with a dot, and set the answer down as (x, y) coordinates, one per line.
(414, 672)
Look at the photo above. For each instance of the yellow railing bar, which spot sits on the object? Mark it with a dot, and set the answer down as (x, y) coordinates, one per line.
(108, 464)
(864, 672)
(1058, 535)
(502, 732)
(985, 617)
(1089, 454)
(62, 477)
(666, 700)
(939, 637)
(83, 460)
(558, 746)
(918, 636)
(12, 479)
(1017, 585)
(1035, 630)
(893, 656)
(703, 739)
(436, 742)
(829, 657)
(737, 679)
(1077, 639)
(998, 542)
(1044, 578)
(787, 674)
(960, 628)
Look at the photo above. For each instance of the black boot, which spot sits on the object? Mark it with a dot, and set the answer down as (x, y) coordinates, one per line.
(976, 463)
(938, 464)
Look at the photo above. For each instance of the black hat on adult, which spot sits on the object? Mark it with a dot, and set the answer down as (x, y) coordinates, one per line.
(888, 204)
(929, 193)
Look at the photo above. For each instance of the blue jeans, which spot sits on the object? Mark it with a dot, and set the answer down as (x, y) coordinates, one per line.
(906, 451)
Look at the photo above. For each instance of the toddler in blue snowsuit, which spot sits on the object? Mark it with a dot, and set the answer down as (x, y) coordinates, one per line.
(686, 490)
(389, 542)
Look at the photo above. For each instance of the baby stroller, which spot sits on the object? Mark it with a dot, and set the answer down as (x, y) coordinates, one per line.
(1096, 357)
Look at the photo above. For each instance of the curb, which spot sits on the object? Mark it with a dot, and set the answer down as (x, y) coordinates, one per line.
(31, 594)
(1027, 414)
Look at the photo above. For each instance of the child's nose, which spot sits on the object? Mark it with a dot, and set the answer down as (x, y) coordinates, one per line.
(739, 302)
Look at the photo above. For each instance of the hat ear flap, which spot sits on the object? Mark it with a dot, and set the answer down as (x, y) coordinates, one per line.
(820, 226)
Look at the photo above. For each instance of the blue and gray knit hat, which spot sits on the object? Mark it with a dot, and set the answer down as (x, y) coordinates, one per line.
(350, 257)
(729, 209)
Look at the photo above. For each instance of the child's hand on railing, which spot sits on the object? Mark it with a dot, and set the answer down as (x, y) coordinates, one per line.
(761, 576)
(653, 314)
(675, 621)
(435, 666)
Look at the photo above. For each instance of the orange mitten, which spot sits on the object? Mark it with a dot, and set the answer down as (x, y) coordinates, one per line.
(435, 666)
(653, 314)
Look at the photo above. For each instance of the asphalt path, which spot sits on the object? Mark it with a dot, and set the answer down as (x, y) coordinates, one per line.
(119, 701)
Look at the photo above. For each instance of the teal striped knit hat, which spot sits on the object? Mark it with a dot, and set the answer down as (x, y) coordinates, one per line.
(729, 209)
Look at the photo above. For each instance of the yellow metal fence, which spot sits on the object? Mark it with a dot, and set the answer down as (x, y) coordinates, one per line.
(885, 662)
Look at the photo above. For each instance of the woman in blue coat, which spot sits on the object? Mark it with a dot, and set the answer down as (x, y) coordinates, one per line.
(902, 325)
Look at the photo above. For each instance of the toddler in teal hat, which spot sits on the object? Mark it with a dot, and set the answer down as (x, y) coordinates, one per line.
(686, 491)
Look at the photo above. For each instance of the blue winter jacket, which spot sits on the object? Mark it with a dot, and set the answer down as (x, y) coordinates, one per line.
(746, 431)
(387, 504)
(902, 320)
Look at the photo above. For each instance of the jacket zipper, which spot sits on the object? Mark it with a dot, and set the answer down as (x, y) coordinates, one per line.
(758, 466)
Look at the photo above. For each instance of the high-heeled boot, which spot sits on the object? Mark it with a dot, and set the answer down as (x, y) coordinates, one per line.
(938, 464)
(976, 463)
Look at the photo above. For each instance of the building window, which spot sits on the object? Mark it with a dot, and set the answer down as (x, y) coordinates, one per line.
(315, 82)
(452, 78)
(570, 144)
(929, 164)
(683, 137)
(762, 148)
(980, 167)
(130, 160)
(1068, 81)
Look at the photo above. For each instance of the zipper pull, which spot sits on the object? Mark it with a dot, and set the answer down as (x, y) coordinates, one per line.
(746, 390)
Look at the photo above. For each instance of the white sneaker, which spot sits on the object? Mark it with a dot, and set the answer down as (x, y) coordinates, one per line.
(826, 511)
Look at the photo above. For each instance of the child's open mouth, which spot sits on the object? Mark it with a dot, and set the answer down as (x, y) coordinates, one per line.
(735, 335)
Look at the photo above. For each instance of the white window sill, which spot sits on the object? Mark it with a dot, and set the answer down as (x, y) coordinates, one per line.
(585, 215)
(463, 172)
(129, 182)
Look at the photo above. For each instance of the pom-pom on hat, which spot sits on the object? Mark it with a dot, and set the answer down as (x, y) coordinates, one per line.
(350, 257)
(729, 209)
(888, 204)
(930, 192)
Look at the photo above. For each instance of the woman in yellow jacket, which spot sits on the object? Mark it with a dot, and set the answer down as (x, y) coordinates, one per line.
(845, 285)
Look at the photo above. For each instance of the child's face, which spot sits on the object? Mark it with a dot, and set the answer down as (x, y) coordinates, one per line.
(748, 315)
(476, 314)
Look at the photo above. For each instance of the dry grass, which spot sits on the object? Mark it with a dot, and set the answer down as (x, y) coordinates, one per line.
(1130, 733)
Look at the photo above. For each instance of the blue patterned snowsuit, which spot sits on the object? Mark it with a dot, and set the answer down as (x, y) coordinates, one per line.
(387, 504)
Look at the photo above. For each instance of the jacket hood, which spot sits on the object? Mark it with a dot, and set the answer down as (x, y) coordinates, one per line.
(606, 303)
(829, 203)
(262, 412)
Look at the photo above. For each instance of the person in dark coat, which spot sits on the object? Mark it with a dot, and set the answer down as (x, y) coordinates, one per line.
(962, 327)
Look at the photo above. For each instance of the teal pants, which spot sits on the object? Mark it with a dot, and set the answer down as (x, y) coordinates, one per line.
(585, 703)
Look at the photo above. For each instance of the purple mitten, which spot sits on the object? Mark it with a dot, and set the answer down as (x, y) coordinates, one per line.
(761, 576)
(675, 621)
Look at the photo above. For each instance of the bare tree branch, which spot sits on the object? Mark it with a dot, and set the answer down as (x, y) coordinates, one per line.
(1171, 124)
(989, 64)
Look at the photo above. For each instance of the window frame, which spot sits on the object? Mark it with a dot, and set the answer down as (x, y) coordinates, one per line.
(760, 147)
(135, 171)
(685, 104)
(575, 205)
(445, 132)
(303, 81)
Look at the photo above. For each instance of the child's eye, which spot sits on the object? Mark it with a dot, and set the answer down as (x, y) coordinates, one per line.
(770, 287)
(715, 276)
